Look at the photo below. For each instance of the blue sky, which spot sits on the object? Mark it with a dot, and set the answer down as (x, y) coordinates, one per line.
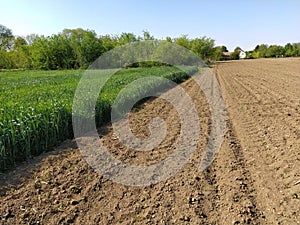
(231, 23)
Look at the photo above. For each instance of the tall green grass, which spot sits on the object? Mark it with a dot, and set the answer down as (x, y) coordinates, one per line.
(36, 107)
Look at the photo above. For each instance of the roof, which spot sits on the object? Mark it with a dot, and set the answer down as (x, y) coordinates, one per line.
(227, 53)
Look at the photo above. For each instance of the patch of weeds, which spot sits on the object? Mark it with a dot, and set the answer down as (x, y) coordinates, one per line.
(146, 195)
(137, 217)
(75, 190)
(46, 173)
(12, 188)
(61, 207)
(286, 185)
(283, 175)
(185, 200)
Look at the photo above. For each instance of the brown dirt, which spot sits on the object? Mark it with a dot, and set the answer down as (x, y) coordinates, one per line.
(263, 101)
(252, 180)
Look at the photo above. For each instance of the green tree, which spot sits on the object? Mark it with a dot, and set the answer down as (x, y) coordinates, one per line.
(218, 53)
(292, 50)
(275, 51)
(296, 50)
(147, 36)
(6, 61)
(6, 38)
(40, 54)
(173, 54)
(224, 48)
(108, 42)
(19, 42)
(249, 55)
(86, 46)
(288, 49)
(20, 53)
(91, 49)
(236, 53)
(127, 38)
(61, 51)
(183, 41)
(260, 50)
(203, 47)
(169, 39)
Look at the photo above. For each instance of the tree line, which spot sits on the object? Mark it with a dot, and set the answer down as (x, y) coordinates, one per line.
(266, 51)
(78, 48)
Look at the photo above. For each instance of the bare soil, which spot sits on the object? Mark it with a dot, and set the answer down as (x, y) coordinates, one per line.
(253, 180)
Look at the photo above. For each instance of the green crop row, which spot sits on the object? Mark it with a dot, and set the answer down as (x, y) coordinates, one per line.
(36, 106)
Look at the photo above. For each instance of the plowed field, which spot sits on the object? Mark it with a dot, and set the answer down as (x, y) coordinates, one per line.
(255, 178)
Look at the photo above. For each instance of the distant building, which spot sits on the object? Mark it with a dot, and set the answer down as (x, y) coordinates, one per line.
(242, 54)
(226, 55)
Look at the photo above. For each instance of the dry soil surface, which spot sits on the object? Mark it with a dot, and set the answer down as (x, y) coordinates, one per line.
(253, 180)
